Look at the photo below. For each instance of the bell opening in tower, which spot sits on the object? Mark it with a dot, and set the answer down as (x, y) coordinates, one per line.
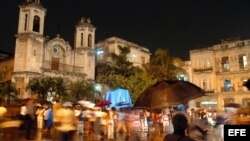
(36, 24)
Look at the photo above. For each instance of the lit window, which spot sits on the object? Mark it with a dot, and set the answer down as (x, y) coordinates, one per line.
(227, 85)
(242, 61)
(208, 64)
(133, 58)
(182, 77)
(225, 64)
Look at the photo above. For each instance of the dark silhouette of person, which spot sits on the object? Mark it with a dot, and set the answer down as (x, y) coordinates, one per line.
(180, 124)
(29, 119)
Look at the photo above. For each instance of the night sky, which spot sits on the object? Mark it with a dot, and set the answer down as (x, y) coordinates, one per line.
(177, 25)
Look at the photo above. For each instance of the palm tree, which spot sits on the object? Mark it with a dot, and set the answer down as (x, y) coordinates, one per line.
(162, 65)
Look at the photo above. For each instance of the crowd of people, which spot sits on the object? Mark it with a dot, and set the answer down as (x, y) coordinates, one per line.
(63, 121)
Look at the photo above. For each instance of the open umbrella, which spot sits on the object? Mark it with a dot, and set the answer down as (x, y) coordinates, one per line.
(167, 93)
(67, 104)
(87, 104)
(102, 103)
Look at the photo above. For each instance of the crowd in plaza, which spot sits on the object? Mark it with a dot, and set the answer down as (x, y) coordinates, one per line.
(63, 121)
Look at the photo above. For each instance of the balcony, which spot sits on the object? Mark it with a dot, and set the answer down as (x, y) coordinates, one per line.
(232, 71)
(224, 89)
(203, 69)
(48, 65)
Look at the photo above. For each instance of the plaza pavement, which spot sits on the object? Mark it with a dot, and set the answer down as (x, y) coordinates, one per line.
(17, 135)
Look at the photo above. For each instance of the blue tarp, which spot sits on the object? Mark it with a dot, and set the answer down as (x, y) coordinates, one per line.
(119, 98)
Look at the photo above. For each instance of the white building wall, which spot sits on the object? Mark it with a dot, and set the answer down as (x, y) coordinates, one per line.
(135, 55)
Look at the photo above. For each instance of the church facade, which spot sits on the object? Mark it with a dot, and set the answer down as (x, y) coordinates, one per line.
(37, 56)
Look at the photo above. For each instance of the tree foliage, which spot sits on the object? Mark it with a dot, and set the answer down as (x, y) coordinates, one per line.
(8, 91)
(82, 90)
(45, 87)
(120, 72)
(162, 65)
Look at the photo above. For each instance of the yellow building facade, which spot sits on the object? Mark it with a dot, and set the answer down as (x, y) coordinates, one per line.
(221, 71)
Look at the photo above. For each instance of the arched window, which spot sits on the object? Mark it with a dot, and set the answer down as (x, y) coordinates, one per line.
(36, 24)
(89, 40)
(81, 39)
(25, 22)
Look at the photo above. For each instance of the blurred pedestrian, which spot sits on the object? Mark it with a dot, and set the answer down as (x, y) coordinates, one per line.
(143, 120)
(165, 121)
(56, 107)
(78, 115)
(67, 122)
(200, 125)
(121, 123)
(48, 118)
(110, 124)
(39, 114)
(3, 111)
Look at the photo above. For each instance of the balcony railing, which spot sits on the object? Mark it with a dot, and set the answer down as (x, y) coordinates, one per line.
(48, 65)
(203, 69)
(232, 70)
(224, 89)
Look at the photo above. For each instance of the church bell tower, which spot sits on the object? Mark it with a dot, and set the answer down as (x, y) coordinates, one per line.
(31, 17)
(29, 43)
(84, 47)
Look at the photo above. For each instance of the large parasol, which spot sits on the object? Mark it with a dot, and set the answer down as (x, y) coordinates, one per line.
(167, 93)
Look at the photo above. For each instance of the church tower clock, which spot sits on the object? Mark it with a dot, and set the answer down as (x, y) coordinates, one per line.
(29, 43)
(84, 47)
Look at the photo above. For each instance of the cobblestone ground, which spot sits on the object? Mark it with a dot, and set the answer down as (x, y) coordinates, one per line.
(19, 135)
